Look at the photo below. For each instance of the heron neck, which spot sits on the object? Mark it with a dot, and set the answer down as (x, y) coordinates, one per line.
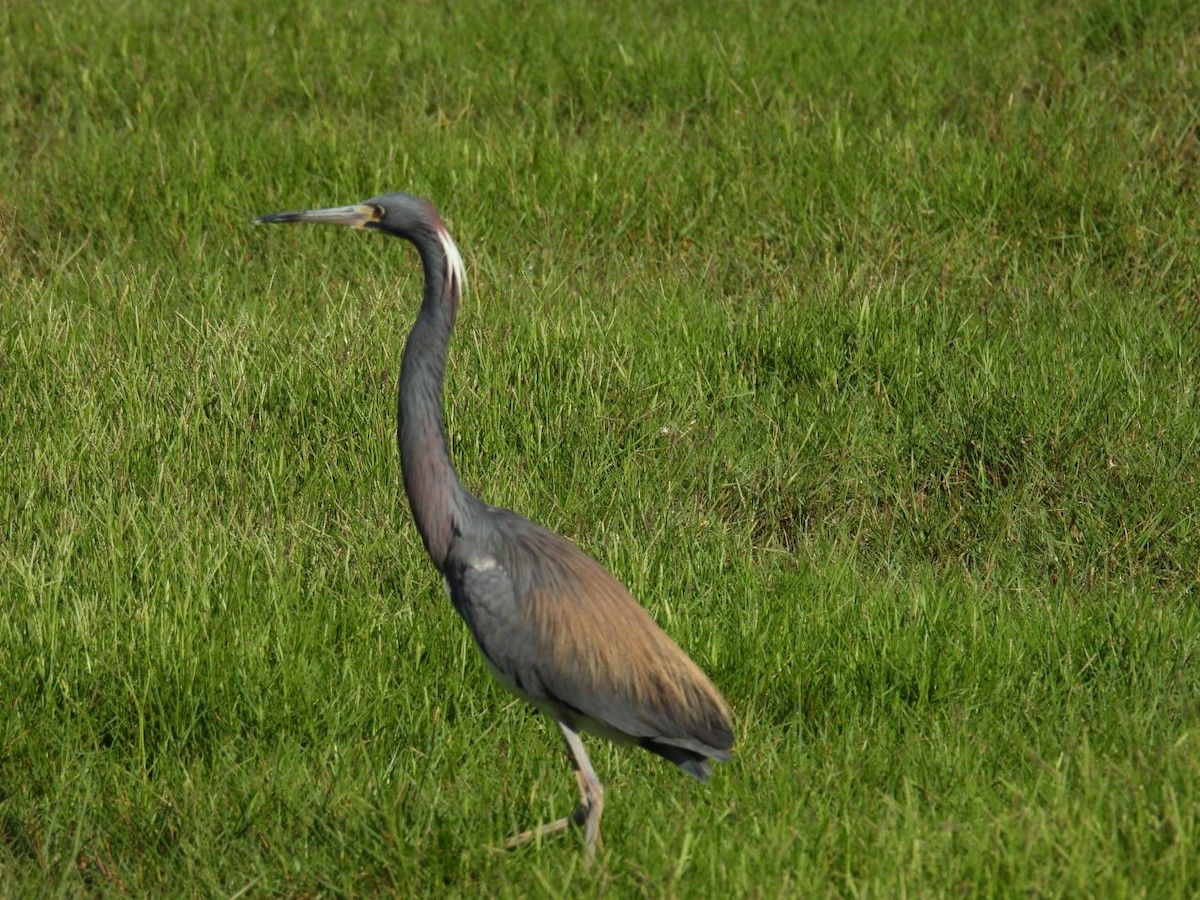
(435, 494)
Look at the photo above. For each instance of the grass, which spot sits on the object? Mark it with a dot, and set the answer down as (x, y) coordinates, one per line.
(860, 342)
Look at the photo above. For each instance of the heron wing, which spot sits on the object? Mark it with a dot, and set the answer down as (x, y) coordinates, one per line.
(560, 631)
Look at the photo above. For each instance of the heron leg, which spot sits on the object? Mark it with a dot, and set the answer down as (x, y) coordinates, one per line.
(591, 801)
(591, 792)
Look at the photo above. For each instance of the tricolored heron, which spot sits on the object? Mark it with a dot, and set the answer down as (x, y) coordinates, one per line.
(552, 624)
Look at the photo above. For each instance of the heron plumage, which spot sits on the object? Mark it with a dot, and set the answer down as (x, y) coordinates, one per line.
(573, 641)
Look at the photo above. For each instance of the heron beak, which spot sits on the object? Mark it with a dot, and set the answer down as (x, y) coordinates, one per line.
(359, 216)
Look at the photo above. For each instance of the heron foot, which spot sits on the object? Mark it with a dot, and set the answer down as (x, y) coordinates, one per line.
(579, 818)
(591, 802)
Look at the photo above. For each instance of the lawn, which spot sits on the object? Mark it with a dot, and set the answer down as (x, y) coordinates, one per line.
(861, 341)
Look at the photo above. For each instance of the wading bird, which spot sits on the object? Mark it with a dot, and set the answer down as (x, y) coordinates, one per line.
(552, 624)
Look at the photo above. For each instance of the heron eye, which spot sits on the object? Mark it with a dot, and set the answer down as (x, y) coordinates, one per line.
(376, 212)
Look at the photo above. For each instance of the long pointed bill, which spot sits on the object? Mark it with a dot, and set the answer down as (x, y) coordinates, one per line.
(358, 216)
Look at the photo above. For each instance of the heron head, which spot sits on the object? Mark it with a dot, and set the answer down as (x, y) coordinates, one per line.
(402, 215)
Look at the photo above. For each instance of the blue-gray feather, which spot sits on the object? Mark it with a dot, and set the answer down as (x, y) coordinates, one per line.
(520, 588)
